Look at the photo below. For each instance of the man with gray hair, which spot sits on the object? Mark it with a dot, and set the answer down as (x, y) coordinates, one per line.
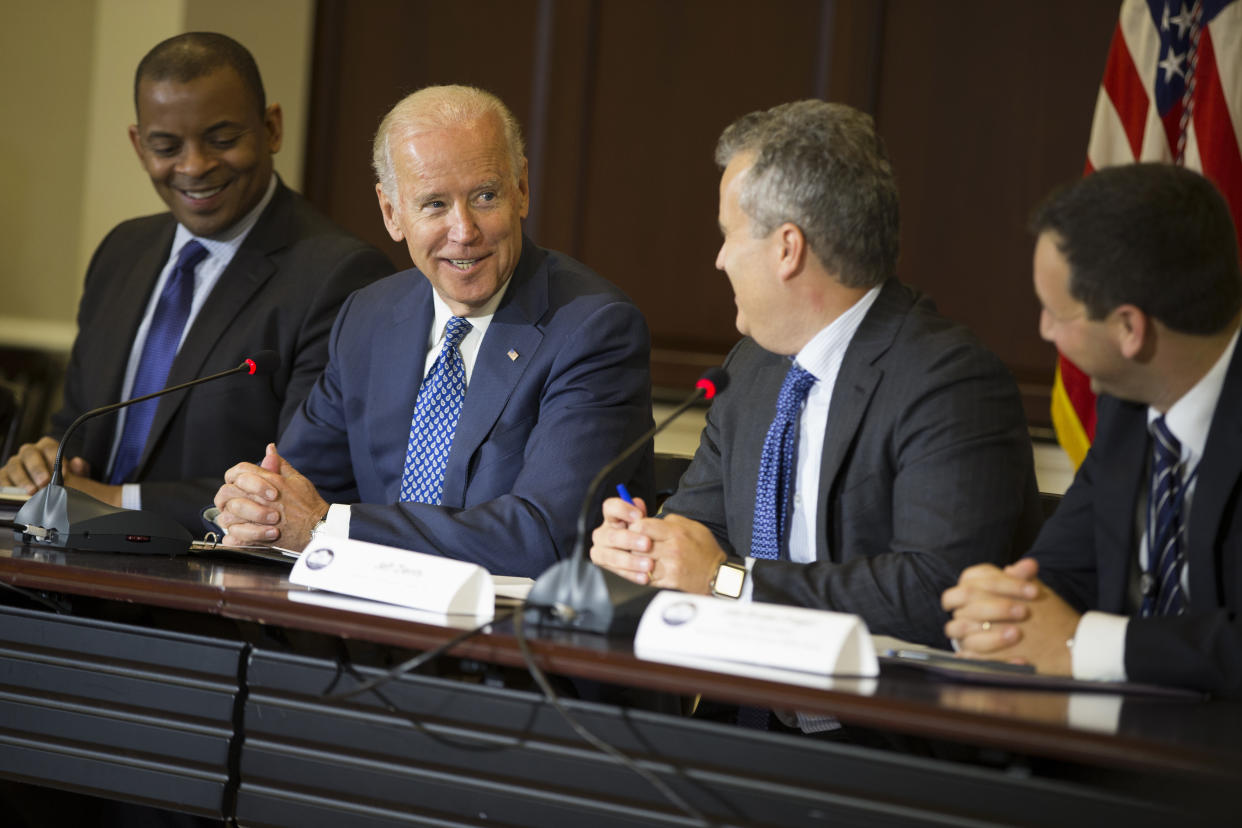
(468, 401)
(868, 449)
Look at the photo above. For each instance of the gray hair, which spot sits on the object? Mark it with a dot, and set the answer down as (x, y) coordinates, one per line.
(822, 167)
(440, 107)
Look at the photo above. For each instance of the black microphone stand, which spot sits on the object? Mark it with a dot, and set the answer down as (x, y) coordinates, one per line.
(64, 517)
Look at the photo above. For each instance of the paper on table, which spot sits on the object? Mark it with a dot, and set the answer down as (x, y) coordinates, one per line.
(769, 641)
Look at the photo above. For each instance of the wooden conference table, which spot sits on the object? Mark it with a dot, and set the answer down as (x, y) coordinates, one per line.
(195, 683)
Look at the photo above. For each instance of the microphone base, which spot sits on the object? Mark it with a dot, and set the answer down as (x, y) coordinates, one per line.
(575, 594)
(65, 518)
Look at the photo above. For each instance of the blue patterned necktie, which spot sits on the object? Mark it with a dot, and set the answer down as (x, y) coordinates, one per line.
(1162, 583)
(435, 420)
(776, 466)
(163, 340)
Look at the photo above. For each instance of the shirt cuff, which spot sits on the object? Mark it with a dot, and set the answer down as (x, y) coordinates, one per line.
(131, 495)
(1099, 651)
(748, 585)
(337, 522)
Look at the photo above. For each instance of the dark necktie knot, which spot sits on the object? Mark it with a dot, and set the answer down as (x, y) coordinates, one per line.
(455, 331)
(794, 390)
(1167, 449)
(192, 252)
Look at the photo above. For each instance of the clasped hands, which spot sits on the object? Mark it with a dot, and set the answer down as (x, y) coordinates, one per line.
(672, 552)
(31, 469)
(1010, 615)
(268, 504)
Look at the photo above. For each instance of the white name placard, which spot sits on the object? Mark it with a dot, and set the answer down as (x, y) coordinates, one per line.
(769, 641)
(396, 576)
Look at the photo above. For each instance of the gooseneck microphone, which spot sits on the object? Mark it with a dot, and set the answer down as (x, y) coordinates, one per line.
(69, 518)
(575, 593)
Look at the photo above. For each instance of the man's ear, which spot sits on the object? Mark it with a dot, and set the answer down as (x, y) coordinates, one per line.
(135, 138)
(1134, 332)
(790, 243)
(389, 211)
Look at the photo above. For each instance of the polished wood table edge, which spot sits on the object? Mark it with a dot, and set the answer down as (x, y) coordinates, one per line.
(595, 658)
(117, 586)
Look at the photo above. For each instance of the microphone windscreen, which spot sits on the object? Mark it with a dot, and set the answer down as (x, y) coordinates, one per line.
(264, 363)
(713, 381)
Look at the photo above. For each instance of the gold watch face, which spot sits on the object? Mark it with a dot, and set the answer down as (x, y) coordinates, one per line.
(729, 579)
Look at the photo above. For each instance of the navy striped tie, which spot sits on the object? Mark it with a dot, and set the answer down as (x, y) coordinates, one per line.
(1162, 583)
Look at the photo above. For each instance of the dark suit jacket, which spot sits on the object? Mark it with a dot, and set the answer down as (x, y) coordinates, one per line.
(281, 292)
(1088, 549)
(926, 469)
(533, 430)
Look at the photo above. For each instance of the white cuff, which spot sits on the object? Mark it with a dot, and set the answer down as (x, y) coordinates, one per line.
(1099, 651)
(337, 522)
(131, 495)
(748, 586)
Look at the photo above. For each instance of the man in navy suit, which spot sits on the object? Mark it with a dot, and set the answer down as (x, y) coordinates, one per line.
(1138, 574)
(554, 364)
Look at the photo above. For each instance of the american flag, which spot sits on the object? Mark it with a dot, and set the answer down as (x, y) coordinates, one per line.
(1172, 91)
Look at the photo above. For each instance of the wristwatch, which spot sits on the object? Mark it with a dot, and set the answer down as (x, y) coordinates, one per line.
(728, 580)
(318, 525)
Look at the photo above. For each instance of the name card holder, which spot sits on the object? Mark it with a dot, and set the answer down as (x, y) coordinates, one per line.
(768, 641)
(396, 576)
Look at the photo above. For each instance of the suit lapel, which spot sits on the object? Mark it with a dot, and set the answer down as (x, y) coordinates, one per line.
(856, 383)
(250, 268)
(124, 308)
(398, 354)
(1117, 493)
(1218, 480)
(495, 374)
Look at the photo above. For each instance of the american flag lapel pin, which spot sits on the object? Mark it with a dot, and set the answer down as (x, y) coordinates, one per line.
(513, 355)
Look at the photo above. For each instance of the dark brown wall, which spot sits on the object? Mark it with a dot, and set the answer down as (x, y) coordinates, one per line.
(985, 106)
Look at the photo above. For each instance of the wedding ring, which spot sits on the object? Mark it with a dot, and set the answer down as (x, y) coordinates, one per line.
(987, 625)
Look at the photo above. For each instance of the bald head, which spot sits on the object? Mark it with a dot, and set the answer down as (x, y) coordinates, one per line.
(442, 107)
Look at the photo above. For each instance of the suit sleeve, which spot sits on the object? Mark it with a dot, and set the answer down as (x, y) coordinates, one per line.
(959, 468)
(596, 400)
(316, 441)
(184, 499)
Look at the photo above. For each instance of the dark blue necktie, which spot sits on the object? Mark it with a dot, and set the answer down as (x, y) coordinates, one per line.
(776, 466)
(163, 339)
(440, 398)
(1162, 583)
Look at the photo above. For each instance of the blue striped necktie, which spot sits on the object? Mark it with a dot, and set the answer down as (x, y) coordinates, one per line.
(1162, 583)
(436, 413)
(158, 352)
